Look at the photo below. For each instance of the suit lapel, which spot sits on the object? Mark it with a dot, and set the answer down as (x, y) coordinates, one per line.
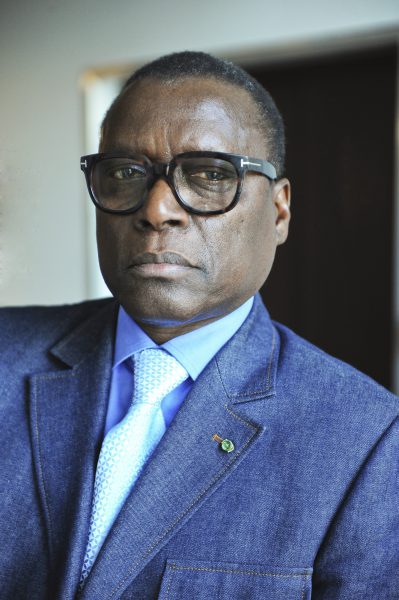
(67, 415)
(188, 465)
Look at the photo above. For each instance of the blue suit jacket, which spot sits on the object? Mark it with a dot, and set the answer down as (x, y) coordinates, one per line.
(305, 506)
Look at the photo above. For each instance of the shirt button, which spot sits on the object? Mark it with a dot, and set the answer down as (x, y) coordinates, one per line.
(227, 446)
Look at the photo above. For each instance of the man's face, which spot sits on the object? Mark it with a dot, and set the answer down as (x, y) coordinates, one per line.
(225, 258)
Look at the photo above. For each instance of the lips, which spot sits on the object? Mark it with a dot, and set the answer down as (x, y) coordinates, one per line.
(152, 258)
(164, 265)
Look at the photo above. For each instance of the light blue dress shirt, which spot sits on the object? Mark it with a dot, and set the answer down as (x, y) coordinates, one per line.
(193, 350)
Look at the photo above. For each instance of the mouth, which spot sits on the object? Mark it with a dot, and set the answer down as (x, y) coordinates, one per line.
(164, 264)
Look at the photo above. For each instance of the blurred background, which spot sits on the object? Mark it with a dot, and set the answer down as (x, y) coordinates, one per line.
(333, 70)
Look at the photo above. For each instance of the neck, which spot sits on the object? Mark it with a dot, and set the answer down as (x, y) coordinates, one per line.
(160, 335)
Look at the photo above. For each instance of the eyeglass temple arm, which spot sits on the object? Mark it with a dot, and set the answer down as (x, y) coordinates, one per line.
(259, 166)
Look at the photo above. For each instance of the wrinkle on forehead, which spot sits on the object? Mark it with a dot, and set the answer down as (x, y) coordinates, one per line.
(193, 114)
(193, 95)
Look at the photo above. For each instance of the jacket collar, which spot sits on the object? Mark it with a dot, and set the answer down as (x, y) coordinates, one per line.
(248, 363)
(97, 331)
(257, 335)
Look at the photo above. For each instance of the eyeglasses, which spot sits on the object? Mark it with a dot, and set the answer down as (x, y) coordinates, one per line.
(203, 183)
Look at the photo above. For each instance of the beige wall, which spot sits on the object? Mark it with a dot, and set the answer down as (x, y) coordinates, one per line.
(46, 45)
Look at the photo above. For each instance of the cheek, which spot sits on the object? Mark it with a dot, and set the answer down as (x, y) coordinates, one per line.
(257, 248)
(104, 242)
(245, 251)
(110, 235)
(255, 245)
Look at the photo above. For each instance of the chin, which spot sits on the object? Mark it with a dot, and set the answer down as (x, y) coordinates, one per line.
(158, 313)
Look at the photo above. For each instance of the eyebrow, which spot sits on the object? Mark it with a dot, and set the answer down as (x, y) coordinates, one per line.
(189, 148)
(121, 150)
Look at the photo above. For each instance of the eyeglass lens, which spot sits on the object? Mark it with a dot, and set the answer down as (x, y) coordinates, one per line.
(202, 183)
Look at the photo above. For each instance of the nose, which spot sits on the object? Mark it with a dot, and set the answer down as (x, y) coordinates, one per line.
(161, 209)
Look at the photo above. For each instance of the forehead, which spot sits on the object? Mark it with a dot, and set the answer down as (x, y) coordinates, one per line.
(183, 115)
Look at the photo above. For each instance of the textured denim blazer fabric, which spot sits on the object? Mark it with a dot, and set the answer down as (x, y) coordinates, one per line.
(305, 506)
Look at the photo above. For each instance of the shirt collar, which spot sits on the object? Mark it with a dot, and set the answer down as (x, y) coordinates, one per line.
(193, 350)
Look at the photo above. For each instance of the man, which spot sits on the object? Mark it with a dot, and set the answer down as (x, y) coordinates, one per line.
(273, 470)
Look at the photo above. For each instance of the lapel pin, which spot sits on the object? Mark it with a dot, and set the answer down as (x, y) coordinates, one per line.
(225, 445)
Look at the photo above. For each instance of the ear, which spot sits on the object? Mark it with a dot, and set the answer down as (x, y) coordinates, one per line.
(282, 201)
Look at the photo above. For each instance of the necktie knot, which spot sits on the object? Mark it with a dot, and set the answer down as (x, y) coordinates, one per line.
(156, 374)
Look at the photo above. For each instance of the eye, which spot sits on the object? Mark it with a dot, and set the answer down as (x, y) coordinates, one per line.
(211, 175)
(205, 176)
(127, 173)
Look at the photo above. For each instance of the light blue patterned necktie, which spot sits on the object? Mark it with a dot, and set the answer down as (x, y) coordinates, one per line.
(129, 444)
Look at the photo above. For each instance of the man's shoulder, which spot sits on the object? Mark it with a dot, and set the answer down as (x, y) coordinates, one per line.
(314, 373)
(16, 319)
(29, 329)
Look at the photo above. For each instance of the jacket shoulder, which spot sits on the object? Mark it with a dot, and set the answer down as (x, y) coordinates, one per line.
(31, 329)
(315, 373)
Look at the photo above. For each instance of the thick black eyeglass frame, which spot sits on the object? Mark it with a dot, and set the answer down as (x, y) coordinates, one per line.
(242, 164)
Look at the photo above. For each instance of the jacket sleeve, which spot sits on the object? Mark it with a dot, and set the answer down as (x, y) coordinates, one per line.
(359, 557)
